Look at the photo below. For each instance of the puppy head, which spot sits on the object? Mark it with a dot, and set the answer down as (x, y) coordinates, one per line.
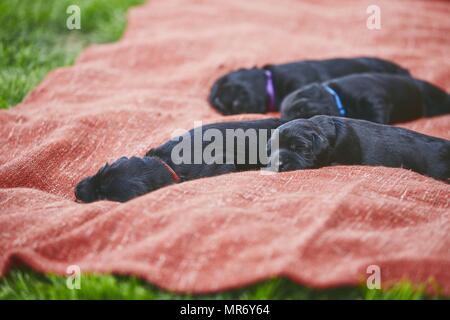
(298, 144)
(123, 180)
(241, 91)
(307, 102)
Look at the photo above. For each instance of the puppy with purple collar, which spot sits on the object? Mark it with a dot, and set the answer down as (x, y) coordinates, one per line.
(325, 140)
(381, 98)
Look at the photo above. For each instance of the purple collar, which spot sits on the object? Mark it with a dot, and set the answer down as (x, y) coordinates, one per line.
(270, 91)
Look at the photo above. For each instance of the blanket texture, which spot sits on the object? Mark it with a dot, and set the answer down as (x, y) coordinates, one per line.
(320, 228)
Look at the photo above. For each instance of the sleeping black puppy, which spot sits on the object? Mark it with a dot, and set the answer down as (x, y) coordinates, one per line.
(239, 146)
(325, 140)
(260, 90)
(382, 98)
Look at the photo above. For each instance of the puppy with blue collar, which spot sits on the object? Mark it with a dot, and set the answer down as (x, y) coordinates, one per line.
(261, 90)
(376, 97)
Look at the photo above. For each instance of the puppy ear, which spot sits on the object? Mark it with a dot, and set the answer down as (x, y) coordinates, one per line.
(319, 143)
(315, 90)
(150, 153)
(101, 172)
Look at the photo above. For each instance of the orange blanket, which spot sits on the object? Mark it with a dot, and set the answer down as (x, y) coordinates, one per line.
(320, 228)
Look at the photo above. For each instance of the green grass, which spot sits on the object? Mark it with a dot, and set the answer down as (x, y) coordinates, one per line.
(26, 284)
(34, 39)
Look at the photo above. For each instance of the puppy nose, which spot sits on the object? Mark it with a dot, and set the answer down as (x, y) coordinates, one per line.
(282, 162)
(78, 197)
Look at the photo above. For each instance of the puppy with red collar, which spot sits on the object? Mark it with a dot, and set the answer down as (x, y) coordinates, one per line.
(238, 147)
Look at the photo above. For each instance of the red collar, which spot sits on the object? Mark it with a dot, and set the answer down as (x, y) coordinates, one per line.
(172, 172)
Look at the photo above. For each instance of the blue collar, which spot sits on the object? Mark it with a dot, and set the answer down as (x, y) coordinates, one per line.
(339, 105)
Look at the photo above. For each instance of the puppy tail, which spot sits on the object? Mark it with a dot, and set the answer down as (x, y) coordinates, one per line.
(436, 100)
(445, 157)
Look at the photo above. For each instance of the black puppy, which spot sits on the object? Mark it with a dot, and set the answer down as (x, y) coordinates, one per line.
(240, 146)
(325, 140)
(382, 98)
(260, 90)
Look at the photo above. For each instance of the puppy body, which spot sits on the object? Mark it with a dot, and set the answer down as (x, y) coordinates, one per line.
(244, 90)
(131, 177)
(381, 98)
(326, 140)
